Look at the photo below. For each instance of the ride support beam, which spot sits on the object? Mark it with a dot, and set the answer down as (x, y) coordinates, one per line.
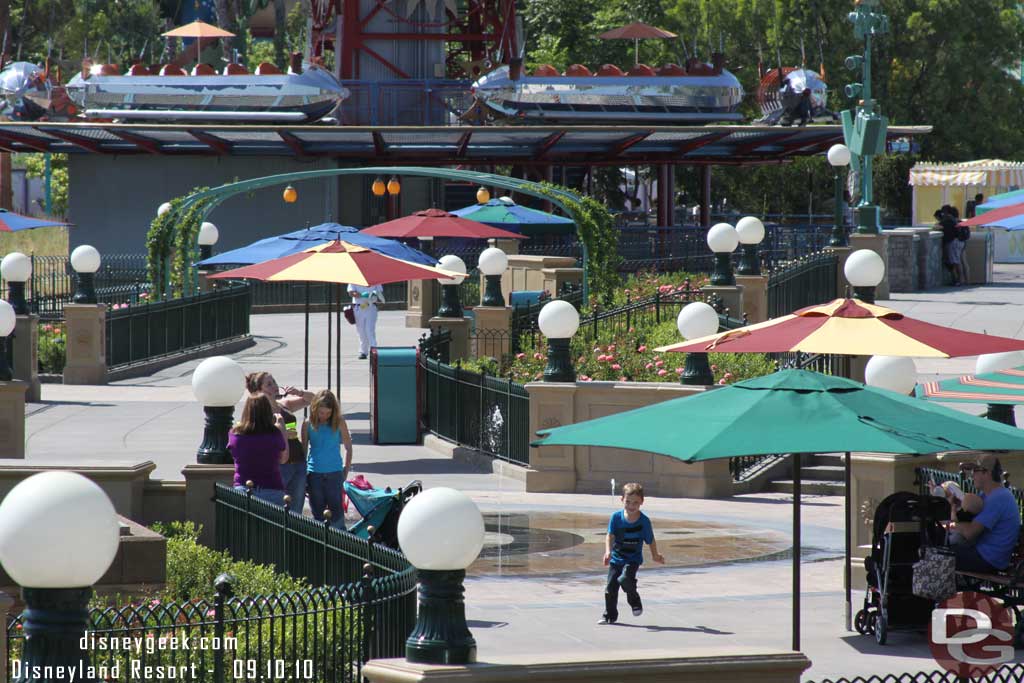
(705, 196)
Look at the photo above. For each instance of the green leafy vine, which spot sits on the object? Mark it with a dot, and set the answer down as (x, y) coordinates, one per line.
(172, 237)
(596, 229)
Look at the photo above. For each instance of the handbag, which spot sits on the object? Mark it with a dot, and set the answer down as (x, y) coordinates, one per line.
(934, 575)
(350, 314)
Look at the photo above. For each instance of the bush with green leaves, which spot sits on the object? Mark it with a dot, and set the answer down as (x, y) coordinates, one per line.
(52, 348)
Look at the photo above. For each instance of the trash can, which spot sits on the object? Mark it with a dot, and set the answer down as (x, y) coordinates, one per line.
(393, 394)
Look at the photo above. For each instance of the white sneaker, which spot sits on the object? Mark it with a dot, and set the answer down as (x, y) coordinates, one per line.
(637, 611)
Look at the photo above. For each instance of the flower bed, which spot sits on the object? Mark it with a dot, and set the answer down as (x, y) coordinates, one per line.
(52, 348)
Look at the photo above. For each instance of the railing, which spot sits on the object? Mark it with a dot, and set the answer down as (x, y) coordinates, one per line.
(488, 414)
(409, 102)
(524, 317)
(926, 477)
(1009, 673)
(807, 281)
(319, 293)
(139, 333)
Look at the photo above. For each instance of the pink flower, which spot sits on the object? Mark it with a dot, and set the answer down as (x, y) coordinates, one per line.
(714, 367)
(722, 381)
(589, 379)
(47, 328)
(679, 371)
(728, 375)
(611, 347)
(520, 356)
(632, 330)
(623, 379)
(659, 363)
(657, 358)
(584, 378)
(649, 366)
(538, 356)
(616, 366)
(210, 613)
(641, 348)
(625, 291)
(662, 372)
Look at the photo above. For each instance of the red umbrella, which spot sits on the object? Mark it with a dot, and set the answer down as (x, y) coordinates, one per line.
(438, 223)
(995, 215)
(636, 32)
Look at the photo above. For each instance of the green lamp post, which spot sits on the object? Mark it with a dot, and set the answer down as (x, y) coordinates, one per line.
(558, 321)
(450, 306)
(838, 158)
(863, 127)
(697, 320)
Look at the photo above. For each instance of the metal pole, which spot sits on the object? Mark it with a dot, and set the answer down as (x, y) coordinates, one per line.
(337, 344)
(796, 552)
(846, 567)
(305, 351)
(330, 305)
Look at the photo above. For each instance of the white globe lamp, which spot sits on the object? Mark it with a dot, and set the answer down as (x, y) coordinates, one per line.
(217, 383)
(750, 230)
(723, 240)
(694, 321)
(864, 270)
(895, 373)
(85, 261)
(441, 532)
(492, 263)
(8, 319)
(451, 306)
(163, 208)
(558, 321)
(16, 268)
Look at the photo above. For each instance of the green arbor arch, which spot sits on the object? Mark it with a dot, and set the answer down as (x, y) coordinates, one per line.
(176, 231)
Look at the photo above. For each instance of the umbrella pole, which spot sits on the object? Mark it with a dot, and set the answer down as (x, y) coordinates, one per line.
(305, 349)
(330, 305)
(337, 345)
(796, 552)
(846, 566)
(636, 50)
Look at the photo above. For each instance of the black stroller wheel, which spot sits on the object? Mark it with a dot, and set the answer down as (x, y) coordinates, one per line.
(862, 623)
(881, 628)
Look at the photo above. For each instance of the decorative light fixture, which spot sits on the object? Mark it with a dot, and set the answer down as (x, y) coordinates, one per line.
(394, 187)
(864, 270)
(56, 592)
(16, 268)
(694, 321)
(163, 208)
(451, 307)
(85, 261)
(839, 157)
(441, 532)
(8, 319)
(483, 195)
(895, 373)
(378, 188)
(723, 240)
(290, 194)
(751, 232)
(558, 321)
(217, 383)
(492, 264)
(994, 362)
(208, 236)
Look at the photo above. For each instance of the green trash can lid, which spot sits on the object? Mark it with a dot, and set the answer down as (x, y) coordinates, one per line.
(392, 356)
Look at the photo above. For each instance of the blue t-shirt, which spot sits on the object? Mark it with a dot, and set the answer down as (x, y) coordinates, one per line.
(324, 450)
(1001, 519)
(628, 547)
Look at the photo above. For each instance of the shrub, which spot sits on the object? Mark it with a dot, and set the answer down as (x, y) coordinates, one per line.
(52, 348)
(643, 285)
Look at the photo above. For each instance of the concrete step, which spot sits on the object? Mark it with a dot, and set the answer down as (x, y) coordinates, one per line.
(822, 473)
(824, 488)
(829, 459)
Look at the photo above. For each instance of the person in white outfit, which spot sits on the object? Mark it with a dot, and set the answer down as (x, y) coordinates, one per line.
(364, 303)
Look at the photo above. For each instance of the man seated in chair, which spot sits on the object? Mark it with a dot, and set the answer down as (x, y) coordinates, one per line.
(992, 535)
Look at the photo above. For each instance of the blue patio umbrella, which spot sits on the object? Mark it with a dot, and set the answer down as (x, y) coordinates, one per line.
(13, 222)
(505, 213)
(300, 240)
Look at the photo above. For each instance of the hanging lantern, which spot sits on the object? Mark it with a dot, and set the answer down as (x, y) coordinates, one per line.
(394, 187)
(483, 195)
(290, 194)
(378, 188)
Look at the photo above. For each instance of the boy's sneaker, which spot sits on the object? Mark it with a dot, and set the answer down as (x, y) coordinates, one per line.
(637, 611)
(606, 620)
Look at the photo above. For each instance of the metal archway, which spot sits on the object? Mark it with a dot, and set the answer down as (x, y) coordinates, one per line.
(556, 196)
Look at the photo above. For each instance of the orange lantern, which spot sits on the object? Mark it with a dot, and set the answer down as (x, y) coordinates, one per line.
(483, 195)
(290, 194)
(394, 187)
(378, 188)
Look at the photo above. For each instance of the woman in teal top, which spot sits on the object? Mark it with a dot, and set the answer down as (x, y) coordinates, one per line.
(323, 435)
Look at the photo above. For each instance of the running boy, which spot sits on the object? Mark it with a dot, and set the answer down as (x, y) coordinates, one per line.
(628, 530)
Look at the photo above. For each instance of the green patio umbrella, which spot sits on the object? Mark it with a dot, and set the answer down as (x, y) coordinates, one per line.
(1001, 390)
(791, 411)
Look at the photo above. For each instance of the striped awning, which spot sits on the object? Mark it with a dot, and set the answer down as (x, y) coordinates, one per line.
(1003, 387)
(981, 172)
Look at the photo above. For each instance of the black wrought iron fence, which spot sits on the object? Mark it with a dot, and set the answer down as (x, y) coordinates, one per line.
(804, 282)
(524, 316)
(138, 333)
(319, 293)
(1008, 673)
(476, 410)
(927, 477)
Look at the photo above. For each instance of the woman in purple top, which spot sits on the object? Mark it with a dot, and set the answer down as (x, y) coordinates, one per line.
(258, 447)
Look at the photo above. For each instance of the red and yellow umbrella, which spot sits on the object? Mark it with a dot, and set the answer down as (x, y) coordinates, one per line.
(851, 327)
(339, 262)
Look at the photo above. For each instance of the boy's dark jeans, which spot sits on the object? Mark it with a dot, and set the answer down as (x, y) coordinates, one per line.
(620, 575)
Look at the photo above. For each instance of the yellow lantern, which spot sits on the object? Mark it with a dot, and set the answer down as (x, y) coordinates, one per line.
(378, 188)
(290, 194)
(482, 195)
(394, 187)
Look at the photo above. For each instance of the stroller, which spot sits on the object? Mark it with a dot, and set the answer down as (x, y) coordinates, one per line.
(905, 524)
(380, 509)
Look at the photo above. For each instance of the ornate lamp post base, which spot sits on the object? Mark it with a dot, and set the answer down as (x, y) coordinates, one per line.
(451, 307)
(16, 297)
(86, 292)
(999, 412)
(750, 263)
(441, 635)
(53, 622)
(214, 448)
(6, 374)
(697, 371)
(865, 294)
(559, 367)
(723, 274)
(839, 236)
(868, 221)
(492, 291)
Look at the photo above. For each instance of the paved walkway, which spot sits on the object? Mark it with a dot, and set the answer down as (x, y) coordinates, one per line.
(746, 604)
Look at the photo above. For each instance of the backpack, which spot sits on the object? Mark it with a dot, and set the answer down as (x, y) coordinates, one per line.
(963, 233)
